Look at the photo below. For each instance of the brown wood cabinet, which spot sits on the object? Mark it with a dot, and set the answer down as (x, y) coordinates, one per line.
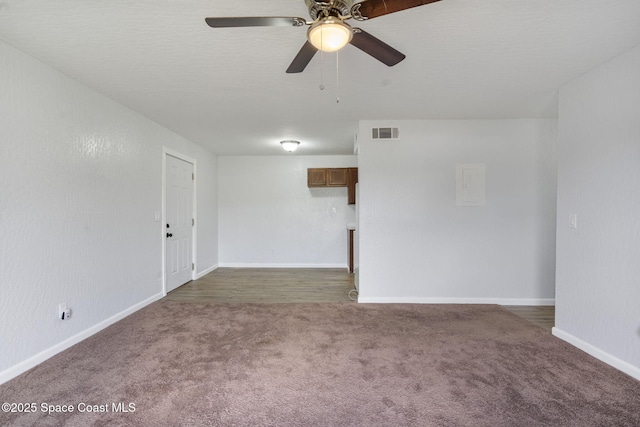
(334, 177)
(352, 180)
(317, 177)
(350, 247)
(337, 177)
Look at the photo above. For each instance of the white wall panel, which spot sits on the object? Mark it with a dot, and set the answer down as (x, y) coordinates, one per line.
(416, 245)
(598, 275)
(269, 217)
(81, 185)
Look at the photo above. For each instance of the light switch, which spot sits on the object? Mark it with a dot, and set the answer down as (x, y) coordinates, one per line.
(156, 216)
(470, 184)
(573, 221)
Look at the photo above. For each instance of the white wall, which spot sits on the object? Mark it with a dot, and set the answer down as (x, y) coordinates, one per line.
(417, 246)
(598, 275)
(207, 206)
(80, 181)
(269, 217)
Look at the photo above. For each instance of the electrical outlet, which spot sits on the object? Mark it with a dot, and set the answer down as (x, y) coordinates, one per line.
(64, 312)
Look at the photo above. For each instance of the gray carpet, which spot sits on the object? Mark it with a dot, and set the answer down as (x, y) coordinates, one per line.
(325, 365)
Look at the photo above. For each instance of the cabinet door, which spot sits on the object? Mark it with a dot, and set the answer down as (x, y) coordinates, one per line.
(337, 177)
(352, 180)
(316, 177)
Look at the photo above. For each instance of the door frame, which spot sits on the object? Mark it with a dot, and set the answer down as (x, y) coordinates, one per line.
(194, 243)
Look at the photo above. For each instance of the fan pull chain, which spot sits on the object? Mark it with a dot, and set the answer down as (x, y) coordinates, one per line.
(321, 62)
(337, 77)
(321, 71)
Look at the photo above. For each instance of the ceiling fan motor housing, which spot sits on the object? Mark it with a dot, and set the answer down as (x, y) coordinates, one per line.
(321, 9)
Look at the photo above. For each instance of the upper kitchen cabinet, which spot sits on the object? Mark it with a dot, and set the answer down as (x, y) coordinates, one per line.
(352, 180)
(338, 177)
(317, 177)
(334, 177)
(327, 177)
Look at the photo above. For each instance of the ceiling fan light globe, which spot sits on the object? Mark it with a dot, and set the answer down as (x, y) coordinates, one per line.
(329, 34)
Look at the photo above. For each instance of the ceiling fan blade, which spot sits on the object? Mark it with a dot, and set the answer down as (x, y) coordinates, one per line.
(369, 9)
(376, 48)
(256, 21)
(302, 58)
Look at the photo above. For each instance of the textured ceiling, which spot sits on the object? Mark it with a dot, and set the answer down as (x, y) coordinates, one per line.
(226, 89)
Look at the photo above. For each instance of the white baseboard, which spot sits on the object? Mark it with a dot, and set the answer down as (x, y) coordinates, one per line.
(275, 265)
(498, 301)
(205, 272)
(527, 301)
(33, 361)
(599, 354)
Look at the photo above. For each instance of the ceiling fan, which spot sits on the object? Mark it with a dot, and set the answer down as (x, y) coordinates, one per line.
(328, 30)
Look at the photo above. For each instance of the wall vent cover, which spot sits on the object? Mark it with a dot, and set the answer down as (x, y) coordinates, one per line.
(385, 133)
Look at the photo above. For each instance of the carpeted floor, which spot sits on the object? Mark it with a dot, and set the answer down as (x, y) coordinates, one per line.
(174, 364)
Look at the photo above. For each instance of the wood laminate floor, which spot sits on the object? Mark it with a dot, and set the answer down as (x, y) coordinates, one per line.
(298, 285)
(541, 315)
(268, 285)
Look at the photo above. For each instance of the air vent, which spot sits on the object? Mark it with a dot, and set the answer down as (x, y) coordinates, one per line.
(385, 133)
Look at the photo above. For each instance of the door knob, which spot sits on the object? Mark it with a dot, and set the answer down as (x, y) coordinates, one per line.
(169, 235)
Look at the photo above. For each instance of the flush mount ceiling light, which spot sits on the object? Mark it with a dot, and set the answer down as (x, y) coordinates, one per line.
(329, 34)
(290, 145)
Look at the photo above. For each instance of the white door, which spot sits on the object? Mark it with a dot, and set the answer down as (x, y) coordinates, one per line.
(179, 226)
